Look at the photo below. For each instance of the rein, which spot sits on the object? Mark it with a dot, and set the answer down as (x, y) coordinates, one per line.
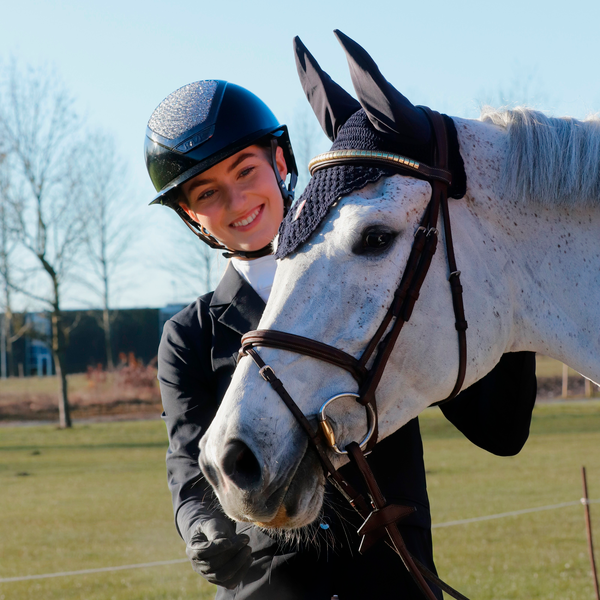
(380, 518)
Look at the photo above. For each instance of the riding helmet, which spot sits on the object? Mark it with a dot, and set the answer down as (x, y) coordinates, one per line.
(198, 126)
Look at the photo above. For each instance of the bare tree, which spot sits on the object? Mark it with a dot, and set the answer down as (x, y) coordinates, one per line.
(7, 246)
(201, 269)
(12, 327)
(111, 230)
(40, 129)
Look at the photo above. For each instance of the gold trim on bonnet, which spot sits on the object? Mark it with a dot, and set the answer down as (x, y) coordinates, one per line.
(357, 155)
(381, 159)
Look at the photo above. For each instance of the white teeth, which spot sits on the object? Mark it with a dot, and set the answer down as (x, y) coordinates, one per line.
(248, 220)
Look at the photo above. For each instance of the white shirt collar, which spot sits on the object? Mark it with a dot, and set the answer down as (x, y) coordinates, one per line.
(259, 273)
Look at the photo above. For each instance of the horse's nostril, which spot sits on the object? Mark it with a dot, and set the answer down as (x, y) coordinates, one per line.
(240, 465)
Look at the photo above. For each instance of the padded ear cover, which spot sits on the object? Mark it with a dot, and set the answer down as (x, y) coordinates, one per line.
(388, 110)
(331, 103)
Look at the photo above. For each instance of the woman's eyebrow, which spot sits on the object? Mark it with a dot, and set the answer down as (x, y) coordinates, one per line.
(242, 157)
(197, 183)
(239, 159)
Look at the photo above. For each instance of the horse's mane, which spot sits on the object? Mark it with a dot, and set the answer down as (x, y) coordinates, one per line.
(549, 160)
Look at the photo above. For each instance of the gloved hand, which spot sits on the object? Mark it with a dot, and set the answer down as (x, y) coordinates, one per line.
(219, 554)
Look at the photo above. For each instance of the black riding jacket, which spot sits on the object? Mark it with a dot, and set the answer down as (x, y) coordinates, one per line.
(196, 360)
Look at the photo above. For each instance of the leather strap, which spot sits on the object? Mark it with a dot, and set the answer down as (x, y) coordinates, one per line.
(301, 345)
(455, 286)
(385, 517)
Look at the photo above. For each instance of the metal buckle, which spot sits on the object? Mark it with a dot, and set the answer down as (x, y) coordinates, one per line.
(263, 370)
(328, 429)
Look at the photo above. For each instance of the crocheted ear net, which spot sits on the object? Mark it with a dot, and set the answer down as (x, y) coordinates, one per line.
(329, 184)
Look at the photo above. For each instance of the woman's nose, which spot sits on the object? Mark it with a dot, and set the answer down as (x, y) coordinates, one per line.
(236, 198)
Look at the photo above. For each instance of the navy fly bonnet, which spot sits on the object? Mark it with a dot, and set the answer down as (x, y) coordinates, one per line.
(382, 120)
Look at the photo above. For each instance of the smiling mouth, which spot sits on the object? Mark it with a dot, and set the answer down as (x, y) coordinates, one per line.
(247, 220)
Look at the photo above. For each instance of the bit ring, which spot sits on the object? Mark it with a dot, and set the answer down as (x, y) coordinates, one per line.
(328, 431)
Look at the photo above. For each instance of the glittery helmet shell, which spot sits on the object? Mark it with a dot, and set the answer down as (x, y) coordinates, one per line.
(201, 124)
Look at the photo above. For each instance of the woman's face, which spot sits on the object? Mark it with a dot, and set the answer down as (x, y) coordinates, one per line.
(238, 200)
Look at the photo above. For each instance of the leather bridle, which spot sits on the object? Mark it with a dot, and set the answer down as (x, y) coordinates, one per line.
(379, 516)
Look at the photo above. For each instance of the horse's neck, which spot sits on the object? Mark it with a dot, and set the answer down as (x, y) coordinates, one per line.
(549, 260)
(556, 280)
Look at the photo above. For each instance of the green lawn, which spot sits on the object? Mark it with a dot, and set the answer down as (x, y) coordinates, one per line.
(42, 385)
(90, 497)
(545, 367)
(536, 555)
(95, 496)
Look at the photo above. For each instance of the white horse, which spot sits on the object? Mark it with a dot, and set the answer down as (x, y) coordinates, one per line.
(527, 240)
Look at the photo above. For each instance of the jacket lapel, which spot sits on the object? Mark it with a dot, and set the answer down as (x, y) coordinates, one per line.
(235, 309)
(235, 303)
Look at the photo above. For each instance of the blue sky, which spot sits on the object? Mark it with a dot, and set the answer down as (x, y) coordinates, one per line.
(120, 59)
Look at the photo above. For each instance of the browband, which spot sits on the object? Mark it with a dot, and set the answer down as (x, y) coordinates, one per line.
(378, 159)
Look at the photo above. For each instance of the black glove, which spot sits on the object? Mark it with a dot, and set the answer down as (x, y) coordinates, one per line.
(219, 554)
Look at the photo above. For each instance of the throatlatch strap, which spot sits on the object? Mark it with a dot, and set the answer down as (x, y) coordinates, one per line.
(454, 278)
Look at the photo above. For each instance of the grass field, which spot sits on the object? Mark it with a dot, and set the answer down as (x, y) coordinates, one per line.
(42, 385)
(129, 390)
(78, 383)
(537, 555)
(133, 390)
(95, 496)
(545, 367)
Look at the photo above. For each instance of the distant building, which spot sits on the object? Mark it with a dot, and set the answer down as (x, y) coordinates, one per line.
(38, 352)
(134, 331)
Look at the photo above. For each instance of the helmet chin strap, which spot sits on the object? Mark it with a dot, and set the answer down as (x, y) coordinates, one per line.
(287, 193)
(203, 234)
(268, 249)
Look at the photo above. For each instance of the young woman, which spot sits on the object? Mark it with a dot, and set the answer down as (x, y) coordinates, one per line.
(218, 156)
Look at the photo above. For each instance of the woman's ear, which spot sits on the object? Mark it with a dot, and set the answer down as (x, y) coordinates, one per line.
(281, 164)
(188, 211)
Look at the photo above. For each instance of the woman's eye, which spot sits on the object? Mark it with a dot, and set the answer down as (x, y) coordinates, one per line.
(377, 240)
(206, 194)
(246, 171)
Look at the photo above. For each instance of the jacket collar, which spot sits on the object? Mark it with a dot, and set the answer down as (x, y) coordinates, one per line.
(241, 306)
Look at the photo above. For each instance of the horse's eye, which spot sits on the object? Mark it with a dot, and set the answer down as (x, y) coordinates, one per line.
(377, 239)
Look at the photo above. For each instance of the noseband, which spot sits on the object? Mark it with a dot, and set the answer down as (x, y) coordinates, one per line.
(380, 517)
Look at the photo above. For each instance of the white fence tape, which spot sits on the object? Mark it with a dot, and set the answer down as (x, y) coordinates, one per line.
(101, 570)
(184, 560)
(512, 513)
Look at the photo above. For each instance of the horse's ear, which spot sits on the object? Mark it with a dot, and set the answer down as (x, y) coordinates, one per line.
(388, 110)
(330, 102)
